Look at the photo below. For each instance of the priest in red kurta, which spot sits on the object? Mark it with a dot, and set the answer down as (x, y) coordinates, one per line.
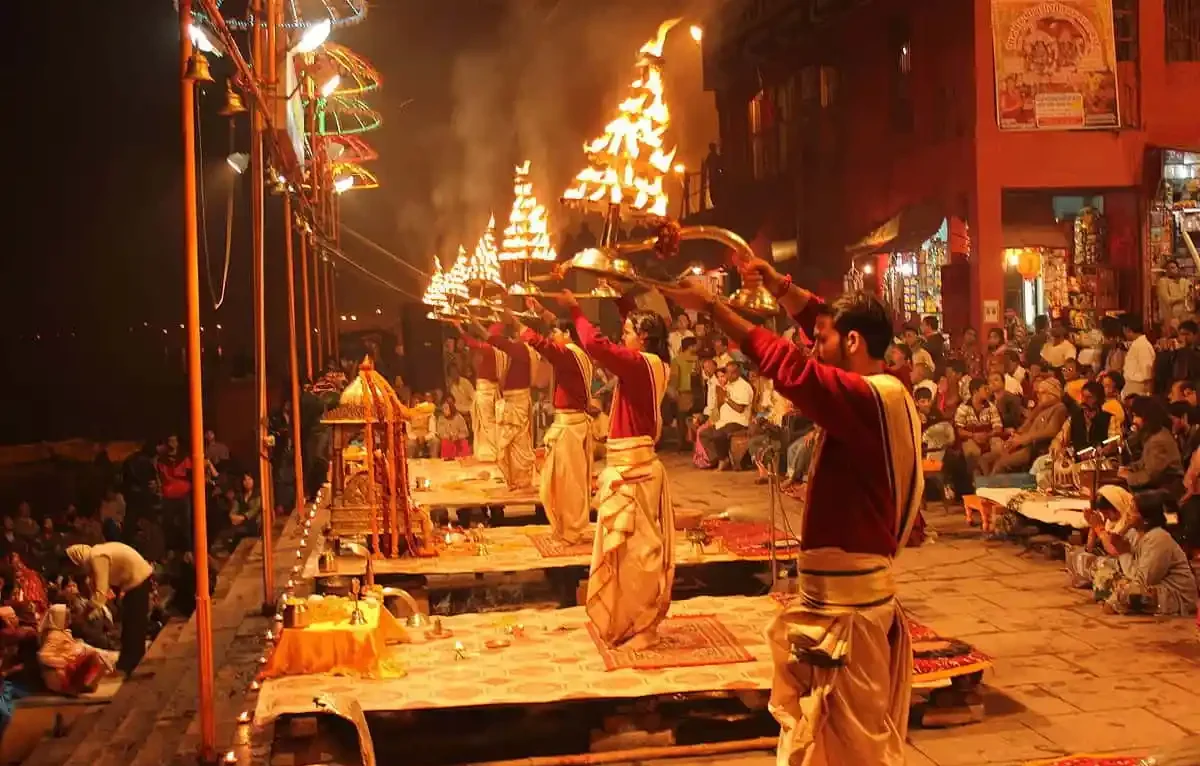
(843, 661)
(514, 425)
(566, 479)
(633, 557)
(490, 366)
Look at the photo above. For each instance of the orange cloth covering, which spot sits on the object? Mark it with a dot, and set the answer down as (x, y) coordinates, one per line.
(333, 645)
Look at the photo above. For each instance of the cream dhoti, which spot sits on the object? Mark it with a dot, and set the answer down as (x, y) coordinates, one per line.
(483, 419)
(633, 557)
(843, 664)
(514, 439)
(566, 481)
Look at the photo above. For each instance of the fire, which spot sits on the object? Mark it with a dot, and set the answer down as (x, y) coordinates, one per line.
(435, 293)
(455, 282)
(527, 237)
(628, 163)
(484, 265)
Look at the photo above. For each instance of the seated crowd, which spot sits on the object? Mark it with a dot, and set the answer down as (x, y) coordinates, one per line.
(83, 588)
(1031, 412)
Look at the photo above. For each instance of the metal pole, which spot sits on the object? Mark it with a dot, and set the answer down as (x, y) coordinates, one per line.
(293, 356)
(191, 258)
(308, 326)
(257, 183)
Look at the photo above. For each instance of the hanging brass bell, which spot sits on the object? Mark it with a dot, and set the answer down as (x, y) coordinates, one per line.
(197, 69)
(234, 105)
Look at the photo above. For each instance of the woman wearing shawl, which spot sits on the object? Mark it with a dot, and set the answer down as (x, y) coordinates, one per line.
(1131, 563)
(69, 666)
(633, 557)
(119, 567)
(30, 584)
(452, 431)
(566, 480)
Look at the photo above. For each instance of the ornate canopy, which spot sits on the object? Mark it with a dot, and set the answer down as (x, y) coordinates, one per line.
(368, 399)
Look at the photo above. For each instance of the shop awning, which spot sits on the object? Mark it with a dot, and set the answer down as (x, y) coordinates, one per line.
(1048, 235)
(904, 232)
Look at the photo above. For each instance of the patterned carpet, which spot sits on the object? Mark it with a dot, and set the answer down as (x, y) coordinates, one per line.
(685, 641)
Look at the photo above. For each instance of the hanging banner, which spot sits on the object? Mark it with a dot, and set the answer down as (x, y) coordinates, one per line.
(1055, 64)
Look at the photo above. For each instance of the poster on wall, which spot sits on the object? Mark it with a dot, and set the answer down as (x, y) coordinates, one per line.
(1055, 64)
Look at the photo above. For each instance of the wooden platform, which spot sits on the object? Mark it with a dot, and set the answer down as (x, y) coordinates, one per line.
(465, 483)
(556, 661)
(510, 549)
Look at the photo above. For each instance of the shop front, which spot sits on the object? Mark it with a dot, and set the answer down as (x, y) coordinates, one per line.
(1059, 257)
(902, 261)
(1173, 234)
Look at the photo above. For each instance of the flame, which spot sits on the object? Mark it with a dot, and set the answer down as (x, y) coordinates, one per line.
(628, 162)
(435, 293)
(527, 236)
(484, 264)
(455, 281)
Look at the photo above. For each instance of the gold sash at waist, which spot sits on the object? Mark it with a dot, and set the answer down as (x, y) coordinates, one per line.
(832, 580)
(572, 417)
(630, 451)
(482, 385)
(516, 394)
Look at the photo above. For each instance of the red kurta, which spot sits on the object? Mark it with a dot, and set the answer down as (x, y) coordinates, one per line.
(484, 357)
(850, 500)
(519, 372)
(636, 410)
(571, 391)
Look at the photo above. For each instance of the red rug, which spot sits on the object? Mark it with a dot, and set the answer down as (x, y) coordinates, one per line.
(551, 547)
(745, 538)
(682, 642)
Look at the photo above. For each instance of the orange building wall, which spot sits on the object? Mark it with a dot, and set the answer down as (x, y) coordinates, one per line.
(1168, 115)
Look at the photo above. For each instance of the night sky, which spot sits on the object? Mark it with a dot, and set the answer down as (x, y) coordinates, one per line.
(470, 88)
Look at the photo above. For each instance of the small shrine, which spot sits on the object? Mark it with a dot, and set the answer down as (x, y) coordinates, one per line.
(370, 495)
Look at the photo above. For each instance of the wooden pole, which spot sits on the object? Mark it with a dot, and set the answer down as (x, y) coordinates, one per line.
(640, 754)
(293, 357)
(304, 290)
(191, 257)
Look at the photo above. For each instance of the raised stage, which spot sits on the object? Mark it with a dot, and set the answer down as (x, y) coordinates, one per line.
(464, 483)
(556, 660)
(523, 549)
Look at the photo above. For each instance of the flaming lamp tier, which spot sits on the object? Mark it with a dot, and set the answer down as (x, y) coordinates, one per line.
(435, 293)
(483, 269)
(627, 165)
(455, 282)
(527, 237)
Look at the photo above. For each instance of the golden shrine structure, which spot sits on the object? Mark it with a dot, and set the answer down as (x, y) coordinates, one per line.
(370, 493)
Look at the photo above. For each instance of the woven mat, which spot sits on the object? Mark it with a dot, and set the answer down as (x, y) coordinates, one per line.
(746, 538)
(682, 642)
(552, 547)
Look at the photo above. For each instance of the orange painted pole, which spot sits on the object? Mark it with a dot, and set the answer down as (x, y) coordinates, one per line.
(335, 214)
(191, 258)
(293, 356)
(308, 326)
(265, 485)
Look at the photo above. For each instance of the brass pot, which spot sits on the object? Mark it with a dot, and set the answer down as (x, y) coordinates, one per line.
(603, 262)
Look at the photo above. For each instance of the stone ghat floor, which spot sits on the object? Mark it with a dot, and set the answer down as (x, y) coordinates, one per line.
(1067, 678)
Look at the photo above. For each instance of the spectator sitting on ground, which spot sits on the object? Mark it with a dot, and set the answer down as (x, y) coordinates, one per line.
(1142, 570)
(1160, 465)
(1031, 440)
